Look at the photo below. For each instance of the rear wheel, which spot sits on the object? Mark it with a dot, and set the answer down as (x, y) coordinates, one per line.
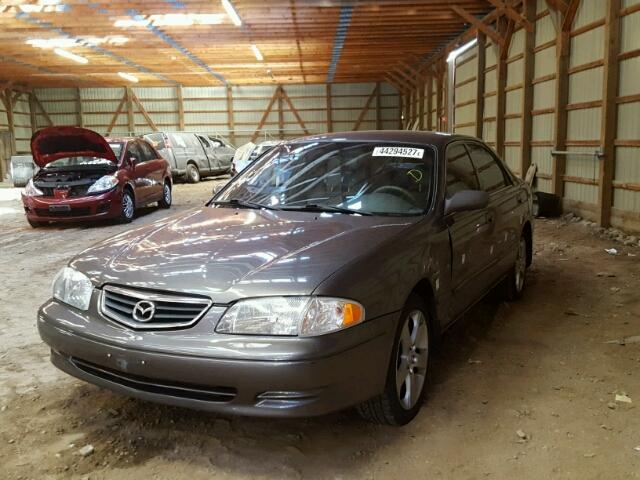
(407, 375)
(192, 173)
(128, 207)
(165, 201)
(515, 281)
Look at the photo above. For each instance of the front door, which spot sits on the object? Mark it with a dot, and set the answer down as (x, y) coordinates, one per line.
(468, 232)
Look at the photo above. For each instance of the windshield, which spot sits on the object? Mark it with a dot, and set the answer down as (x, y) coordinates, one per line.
(82, 161)
(367, 177)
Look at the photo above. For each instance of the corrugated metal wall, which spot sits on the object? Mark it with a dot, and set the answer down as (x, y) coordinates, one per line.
(584, 133)
(205, 109)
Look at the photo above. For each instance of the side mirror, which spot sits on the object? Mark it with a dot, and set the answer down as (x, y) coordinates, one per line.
(466, 200)
(132, 161)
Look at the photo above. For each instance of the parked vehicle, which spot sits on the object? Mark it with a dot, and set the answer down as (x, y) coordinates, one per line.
(248, 153)
(85, 177)
(317, 280)
(22, 169)
(193, 155)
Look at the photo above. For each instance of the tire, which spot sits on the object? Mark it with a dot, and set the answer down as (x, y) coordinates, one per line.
(34, 223)
(167, 197)
(546, 205)
(127, 207)
(409, 365)
(192, 173)
(516, 280)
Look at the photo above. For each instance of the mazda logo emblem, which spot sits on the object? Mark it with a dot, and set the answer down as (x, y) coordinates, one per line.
(144, 311)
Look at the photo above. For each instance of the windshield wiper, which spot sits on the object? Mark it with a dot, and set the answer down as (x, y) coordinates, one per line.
(234, 202)
(313, 207)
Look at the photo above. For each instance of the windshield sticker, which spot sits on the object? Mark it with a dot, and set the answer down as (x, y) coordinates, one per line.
(405, 152)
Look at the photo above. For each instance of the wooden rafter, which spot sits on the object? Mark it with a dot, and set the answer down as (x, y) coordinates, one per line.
(293, 109)
(510, 12)
(143, 111)
(265, 115)
(477, 24)
(116, 114)
(38, 104)
(365, 109)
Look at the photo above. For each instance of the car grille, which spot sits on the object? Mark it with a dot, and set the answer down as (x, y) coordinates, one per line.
(73, 192)
(73, 212)
(149, 385)
(154, 310)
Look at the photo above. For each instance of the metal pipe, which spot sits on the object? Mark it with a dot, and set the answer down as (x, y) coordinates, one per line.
(595, 153)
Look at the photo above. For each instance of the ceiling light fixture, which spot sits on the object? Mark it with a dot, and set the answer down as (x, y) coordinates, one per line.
(129, 77)
(70, 56)
(233, 15)
(257, 53)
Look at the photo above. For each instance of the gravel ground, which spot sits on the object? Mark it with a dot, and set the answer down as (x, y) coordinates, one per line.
(526, 390)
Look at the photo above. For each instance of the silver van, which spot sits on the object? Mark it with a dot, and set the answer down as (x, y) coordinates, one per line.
(22, 169)
(193, 155)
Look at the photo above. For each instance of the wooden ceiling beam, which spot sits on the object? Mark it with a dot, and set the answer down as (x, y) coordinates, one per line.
(477, 24)
(510, 12)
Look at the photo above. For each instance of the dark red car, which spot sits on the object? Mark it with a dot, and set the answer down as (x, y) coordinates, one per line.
(84, 176)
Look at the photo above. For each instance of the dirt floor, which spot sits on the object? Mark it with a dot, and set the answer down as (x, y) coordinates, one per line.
(526, 390)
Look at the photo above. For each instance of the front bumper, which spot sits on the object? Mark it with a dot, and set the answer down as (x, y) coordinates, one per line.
(196, 368)
(94, 207)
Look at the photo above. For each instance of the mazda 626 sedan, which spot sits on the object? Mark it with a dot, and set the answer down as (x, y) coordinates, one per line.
(317, 279)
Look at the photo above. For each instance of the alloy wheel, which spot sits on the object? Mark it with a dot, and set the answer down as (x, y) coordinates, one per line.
(127, 205)
(413, 354)
(167, 194)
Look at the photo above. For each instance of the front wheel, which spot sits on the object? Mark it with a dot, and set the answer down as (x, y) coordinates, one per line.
(515, 281)
(165, 201)
(407, 375)
(128, 207)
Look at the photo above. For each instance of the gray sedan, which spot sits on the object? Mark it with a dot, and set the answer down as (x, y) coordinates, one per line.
(318, 279)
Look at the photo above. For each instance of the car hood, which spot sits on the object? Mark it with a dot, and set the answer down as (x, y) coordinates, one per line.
(52, 143)
(227, 253)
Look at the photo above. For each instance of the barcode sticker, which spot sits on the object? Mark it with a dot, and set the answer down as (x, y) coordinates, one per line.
(405, 152)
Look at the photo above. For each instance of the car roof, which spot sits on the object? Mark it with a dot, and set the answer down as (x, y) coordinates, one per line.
(437, 139)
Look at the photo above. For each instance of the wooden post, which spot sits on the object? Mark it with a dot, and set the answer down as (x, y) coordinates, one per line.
(501, 85)
(378, 106)
(439, 86)
(33, 113)
(79, 108)
(400, 110)
(10, 122)
(130, 118)
(230, 115)
(481, 60)
(180, 107)
(421, 86)
(280, 114)
(527, 87)
(430, 103)
(563, 43)
(329, 109)
(609, 123)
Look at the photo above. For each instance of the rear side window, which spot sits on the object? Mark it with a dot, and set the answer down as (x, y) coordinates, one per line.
(157, 140)
(490, 174)
(178, 141)
(147, 151)
(460, 172)
(204, 141)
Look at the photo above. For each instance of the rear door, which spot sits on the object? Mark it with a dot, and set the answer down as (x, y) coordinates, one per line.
(154, 167)
(224, 153)
(196, 152)
(468, 232)
(210, 152)
(138, 172)
(180, 150)
(504, 213)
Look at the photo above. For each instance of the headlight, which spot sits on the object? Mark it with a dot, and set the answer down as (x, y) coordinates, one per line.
(30, 190)
(301, 316)
(73, 288)
(103, 184)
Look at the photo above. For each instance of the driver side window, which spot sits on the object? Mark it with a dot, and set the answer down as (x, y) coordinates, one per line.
(460, 172)
(134, 151)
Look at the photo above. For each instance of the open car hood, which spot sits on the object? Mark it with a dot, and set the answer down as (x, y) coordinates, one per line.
(52, 143)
